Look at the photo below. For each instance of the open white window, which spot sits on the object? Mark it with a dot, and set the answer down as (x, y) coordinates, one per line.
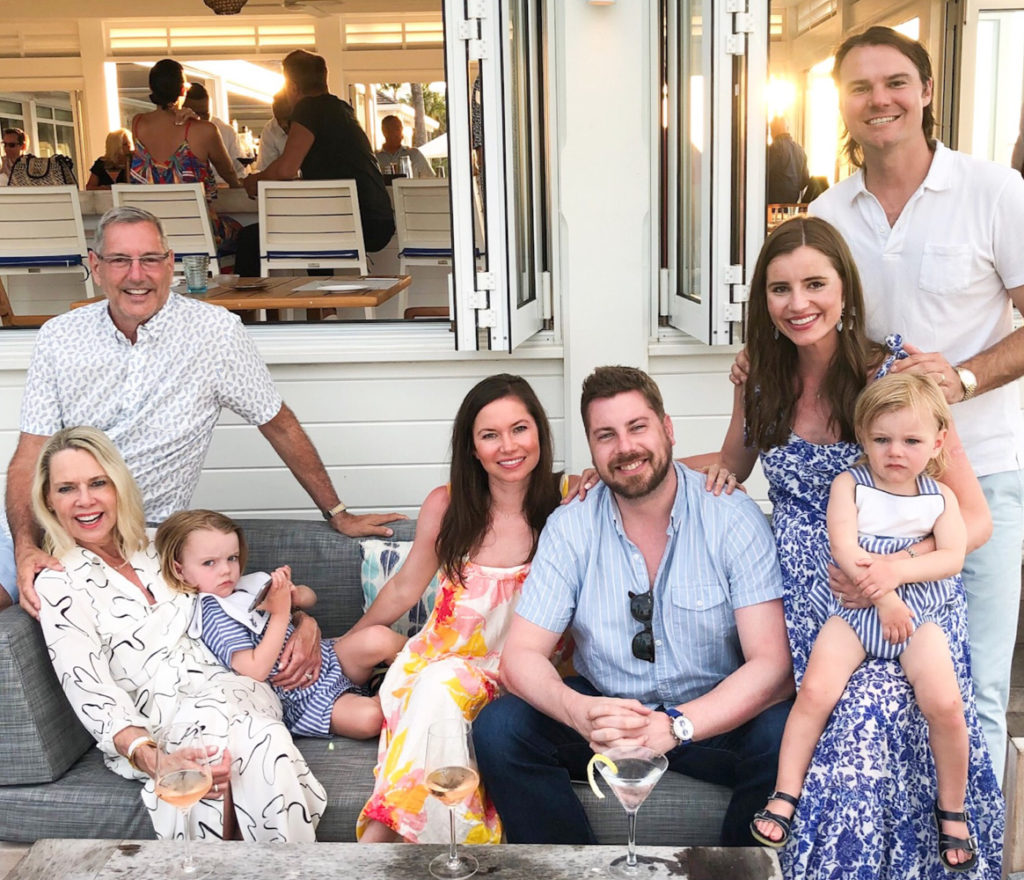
(494, 76)
(714, 62)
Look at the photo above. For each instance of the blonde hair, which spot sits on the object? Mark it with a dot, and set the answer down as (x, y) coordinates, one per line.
(114, 155)
(130, 528)
(903, 391)
(174, 531)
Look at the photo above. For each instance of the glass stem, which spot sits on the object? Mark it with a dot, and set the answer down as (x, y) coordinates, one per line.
(631, 843)
(187, 864)
(453, 853)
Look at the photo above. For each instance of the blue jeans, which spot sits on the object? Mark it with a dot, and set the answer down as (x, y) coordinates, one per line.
(528, 759)
(991, 578)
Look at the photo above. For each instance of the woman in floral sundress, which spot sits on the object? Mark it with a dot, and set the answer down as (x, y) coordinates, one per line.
(481, 532)
(866, 810)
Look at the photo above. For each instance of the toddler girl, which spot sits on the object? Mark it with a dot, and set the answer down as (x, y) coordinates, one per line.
(883, 506)
(204, 552)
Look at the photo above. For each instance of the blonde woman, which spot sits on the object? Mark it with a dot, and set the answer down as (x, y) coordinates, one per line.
(112, 166)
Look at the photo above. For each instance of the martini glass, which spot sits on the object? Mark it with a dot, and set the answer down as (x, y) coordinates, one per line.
(638, 770)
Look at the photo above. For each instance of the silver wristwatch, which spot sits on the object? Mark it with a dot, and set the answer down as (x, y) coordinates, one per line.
(969, 382)
(682, 727)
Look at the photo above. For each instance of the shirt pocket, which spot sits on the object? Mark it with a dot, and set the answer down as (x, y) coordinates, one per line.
(700, 613)
(945, 268)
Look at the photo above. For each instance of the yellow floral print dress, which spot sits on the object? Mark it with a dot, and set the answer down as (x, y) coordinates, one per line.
(449, 668)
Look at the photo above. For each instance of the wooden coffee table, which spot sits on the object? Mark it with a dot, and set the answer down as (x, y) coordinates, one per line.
(235, 860)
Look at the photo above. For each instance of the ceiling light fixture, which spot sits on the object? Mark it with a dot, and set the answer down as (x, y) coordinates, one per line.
(226, 7)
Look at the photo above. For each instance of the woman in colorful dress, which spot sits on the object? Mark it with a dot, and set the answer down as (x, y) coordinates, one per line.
(481, 531)
(866, 810)
(172, 147)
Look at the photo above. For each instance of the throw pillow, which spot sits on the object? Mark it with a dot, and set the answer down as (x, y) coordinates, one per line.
(381, 559)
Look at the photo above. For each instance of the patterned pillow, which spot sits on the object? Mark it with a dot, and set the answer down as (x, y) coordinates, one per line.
(381, 559)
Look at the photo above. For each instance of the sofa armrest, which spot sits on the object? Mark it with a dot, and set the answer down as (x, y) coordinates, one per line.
(40, 735)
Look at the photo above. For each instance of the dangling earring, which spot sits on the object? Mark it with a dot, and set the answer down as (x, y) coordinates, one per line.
(775, 332)
(839, 326)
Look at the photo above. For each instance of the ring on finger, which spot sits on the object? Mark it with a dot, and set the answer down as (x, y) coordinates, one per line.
(842, 599)
(216, 788)
(309, 676)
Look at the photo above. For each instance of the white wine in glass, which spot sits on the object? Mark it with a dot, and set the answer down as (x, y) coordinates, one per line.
(451, 777)
(183, 777)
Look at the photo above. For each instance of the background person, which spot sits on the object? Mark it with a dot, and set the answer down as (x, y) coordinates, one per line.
(170, 148)
(15, 144)
(809, 359)
(325, 142)
(112, 166)
(787, 165)
(154, 369)
(392, 151)
(706, 677)
(275, 133)
(117, 637)
(936, 237)
(197, 99)
(481, 531)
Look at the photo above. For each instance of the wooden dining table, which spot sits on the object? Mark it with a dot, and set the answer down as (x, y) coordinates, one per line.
(251, 296)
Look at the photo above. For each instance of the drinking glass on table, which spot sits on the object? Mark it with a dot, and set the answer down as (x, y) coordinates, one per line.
(451, 777)
(631, 772)
(183, 777)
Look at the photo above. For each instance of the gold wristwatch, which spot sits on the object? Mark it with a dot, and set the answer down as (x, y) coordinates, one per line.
(969, 382)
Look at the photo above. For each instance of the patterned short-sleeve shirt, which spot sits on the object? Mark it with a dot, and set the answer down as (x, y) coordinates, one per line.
(159, 399)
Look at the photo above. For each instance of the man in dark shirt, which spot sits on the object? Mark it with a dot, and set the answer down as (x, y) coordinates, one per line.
(325, 142)
(787, 165)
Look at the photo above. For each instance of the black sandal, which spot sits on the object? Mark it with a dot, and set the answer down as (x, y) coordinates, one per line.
(947, 842)
(767, 815)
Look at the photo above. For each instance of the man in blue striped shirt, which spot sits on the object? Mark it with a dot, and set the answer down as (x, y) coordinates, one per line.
(673, 597)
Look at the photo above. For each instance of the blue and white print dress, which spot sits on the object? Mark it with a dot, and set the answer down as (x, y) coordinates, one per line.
(865, 812)
(888, 523)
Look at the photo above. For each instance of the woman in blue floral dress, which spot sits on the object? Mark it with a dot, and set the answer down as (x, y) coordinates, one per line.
(866, 810)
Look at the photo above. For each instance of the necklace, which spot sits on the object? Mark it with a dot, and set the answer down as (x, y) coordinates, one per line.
(107, 558)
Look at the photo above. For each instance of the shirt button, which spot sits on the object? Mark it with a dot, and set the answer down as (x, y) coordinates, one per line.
(700, 603)
(657, 643)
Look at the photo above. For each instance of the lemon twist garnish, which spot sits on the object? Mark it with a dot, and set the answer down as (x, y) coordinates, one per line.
(599, 759)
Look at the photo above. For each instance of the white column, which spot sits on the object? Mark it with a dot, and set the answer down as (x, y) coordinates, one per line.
(603, 172)
(329, 44)
(94, 93)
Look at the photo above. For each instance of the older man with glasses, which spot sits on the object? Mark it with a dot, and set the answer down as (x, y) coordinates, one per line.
(673, 597)
(153, 369)
(14, 149)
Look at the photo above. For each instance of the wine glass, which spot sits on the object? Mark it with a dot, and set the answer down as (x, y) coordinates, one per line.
(637, 771)
(451, 777)
(183, 777)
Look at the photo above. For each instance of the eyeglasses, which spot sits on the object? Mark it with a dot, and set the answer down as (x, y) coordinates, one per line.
(641, 606)
(121, 263)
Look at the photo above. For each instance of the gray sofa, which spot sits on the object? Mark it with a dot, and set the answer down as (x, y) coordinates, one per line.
(53, 782)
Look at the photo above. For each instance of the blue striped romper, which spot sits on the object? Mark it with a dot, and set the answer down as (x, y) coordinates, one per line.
(888, 523)
(307, 711)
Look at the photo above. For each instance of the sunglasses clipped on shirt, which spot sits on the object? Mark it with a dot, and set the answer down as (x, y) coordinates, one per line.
(641, 606)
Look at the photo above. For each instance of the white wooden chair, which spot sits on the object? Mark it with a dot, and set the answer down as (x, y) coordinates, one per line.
(41, 233)
(181, 209)
(310, 224)
(423, 222)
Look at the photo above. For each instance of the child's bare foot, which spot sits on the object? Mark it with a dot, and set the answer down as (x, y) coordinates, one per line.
(771, 825)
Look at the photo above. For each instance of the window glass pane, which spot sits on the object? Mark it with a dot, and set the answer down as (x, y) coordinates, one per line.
(44, 112)
(690, 97)
(63, 115)
(11, 108)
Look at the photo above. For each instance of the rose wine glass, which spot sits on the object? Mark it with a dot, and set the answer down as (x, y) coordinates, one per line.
(183, 777)
(637, 771)
(451, 777)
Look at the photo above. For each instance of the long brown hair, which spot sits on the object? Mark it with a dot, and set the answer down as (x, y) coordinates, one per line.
(469, 509)
(914, 52)
(772, 387)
